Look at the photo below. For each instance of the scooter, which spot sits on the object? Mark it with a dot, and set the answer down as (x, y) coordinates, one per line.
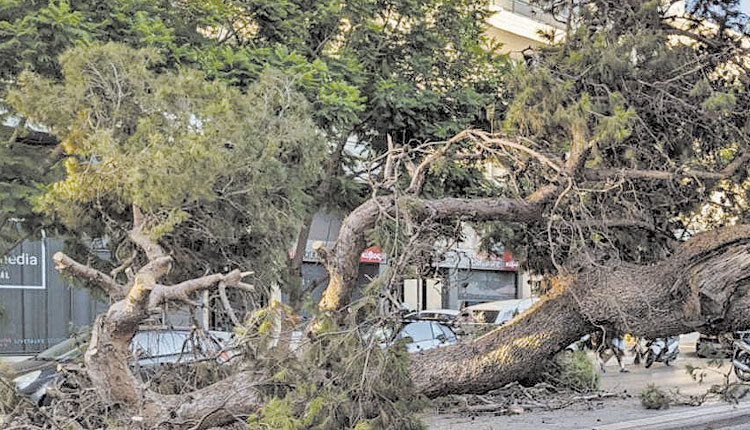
(741, 356)
(662, 349)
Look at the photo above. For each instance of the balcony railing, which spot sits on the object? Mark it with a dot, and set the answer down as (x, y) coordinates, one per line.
(528, 10)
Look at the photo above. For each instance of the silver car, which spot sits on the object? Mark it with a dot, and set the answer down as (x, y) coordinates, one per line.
(424, 335)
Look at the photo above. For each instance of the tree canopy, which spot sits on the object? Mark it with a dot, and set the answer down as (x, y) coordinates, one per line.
(414, 70)
(200, 157)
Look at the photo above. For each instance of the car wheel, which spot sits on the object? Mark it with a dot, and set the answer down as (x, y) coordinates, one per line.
(744, 358)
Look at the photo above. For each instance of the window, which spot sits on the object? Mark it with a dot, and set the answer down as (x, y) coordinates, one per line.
(448, 333)
(418, 331)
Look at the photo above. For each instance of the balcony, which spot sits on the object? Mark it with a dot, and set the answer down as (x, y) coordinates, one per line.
(527, 10)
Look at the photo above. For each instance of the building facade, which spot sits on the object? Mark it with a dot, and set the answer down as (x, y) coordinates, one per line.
(466, 276)
(519, 26)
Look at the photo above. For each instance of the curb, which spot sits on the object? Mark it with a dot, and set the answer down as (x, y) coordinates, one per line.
(722, 415)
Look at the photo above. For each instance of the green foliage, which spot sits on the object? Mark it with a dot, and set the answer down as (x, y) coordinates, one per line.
(355, 382)
(415, 70)
(620, 88)
(653, 397)
(180, 147)
(574, 370)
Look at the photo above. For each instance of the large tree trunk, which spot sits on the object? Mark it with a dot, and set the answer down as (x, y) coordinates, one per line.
(510, 353)
(342, 262)
(703, 287)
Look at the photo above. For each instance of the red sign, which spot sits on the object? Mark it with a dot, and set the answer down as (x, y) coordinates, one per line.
(509, 262)
(371, 255)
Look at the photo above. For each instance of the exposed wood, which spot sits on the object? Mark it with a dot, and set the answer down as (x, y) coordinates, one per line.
(705, 286)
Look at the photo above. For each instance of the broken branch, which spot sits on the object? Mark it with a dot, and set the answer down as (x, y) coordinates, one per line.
(65, 264)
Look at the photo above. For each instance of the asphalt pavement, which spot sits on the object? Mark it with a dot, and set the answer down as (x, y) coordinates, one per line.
(625, 412)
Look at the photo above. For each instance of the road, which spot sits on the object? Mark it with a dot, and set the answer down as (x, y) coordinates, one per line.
(625, 411)
(673, 377)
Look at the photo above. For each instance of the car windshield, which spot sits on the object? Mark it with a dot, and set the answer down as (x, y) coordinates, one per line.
(448, 333)
(159, 343)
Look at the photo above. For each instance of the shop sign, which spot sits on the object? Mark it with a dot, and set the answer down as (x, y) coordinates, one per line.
(465, 260)
(371, 255)
(24, 267)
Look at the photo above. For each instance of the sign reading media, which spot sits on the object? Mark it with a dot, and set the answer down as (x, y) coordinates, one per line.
(24, 267)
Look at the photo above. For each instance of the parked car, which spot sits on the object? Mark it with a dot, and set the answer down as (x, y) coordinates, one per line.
(424, 335)
(33, 376)
(150, 349)
(741, 355)
(440, 315)
(499, 311)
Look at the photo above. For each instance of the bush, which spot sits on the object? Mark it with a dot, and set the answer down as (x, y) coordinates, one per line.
(653, 397)
(575, 371)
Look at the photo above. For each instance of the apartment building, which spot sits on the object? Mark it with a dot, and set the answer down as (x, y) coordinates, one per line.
(520, 26)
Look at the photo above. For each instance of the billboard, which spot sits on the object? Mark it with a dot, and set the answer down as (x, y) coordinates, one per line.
(25, 267)
(39, 308)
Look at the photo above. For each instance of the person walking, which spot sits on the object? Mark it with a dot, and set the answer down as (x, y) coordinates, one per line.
(612, 346)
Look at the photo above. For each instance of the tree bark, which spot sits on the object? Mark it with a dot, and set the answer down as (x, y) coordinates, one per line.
(704, 287)
(297, 293)
(106, 358)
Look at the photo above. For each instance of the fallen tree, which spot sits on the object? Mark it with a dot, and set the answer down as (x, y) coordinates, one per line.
(607, 158)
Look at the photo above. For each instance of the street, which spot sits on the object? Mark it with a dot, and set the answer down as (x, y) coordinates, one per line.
(625, 411)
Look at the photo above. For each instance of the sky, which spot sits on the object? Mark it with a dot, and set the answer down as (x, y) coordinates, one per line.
(745, 6)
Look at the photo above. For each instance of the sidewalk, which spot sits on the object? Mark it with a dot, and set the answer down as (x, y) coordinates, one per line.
(607, 414)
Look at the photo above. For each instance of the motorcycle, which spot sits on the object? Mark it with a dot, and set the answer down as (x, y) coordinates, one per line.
(741, 356)
(662, 349)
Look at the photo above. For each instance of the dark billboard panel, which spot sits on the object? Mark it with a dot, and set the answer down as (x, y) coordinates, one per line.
(38, 308)
(25, 267)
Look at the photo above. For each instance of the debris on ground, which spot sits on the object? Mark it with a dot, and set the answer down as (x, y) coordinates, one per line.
(516, 399)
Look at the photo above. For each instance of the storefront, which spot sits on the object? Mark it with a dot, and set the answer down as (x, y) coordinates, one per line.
(465, 279)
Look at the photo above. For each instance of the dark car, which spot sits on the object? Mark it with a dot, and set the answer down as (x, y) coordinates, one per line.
(150, 347)
(34, 375)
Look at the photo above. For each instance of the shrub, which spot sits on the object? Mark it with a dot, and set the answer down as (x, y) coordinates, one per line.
(575, 371)
(653, 397)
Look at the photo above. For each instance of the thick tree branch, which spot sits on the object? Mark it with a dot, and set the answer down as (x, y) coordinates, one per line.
(661, 175)
(342, 261)
(67, 265)
(182, 291)
(124, 266)
(704, 286)
(489, 141)
(227, 305)
(139, 237)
